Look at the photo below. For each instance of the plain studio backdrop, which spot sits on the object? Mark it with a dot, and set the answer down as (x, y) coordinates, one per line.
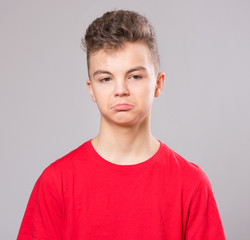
(203, 112)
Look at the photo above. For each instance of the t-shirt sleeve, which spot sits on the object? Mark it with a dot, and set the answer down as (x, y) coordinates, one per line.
(203, 220)
(44, 212)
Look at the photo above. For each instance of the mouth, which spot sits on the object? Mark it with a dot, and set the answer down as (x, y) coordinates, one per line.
(122, 107)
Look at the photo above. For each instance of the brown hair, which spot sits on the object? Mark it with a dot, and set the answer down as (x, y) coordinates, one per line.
(118, 27)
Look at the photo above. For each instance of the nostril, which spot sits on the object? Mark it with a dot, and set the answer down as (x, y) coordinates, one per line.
(121, 91)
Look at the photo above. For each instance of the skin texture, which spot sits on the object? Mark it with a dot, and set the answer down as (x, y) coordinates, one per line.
(123, 84)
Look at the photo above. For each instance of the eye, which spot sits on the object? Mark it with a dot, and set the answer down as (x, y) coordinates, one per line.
(135, 77)
(106, 79)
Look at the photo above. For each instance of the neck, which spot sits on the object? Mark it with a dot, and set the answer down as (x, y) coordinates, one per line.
(120, 144)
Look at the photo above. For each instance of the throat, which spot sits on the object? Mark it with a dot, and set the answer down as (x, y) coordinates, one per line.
(126, 152)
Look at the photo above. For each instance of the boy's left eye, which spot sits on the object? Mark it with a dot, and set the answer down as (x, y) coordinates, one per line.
(136, 77)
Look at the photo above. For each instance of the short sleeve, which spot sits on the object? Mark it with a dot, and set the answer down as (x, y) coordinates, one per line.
(43, 217)
(204, 220)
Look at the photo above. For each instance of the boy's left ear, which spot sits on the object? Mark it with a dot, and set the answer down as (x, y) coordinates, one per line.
(159, 84)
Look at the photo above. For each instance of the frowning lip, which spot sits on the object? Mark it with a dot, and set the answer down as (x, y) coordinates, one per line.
(122, 107)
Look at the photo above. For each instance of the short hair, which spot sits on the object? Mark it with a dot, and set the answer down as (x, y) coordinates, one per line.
(115, 28)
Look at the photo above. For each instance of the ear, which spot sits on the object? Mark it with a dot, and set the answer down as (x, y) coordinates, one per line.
(90, 89)
(159, 84)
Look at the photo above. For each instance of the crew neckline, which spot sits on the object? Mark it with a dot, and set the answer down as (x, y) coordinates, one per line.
(131, 167)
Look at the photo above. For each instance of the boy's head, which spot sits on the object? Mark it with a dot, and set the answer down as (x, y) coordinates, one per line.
(115, 28)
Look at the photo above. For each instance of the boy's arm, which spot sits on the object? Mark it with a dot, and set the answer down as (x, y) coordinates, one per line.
(44, 212)
(203, 220)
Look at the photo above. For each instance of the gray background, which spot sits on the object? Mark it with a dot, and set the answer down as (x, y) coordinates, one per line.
(203, 113)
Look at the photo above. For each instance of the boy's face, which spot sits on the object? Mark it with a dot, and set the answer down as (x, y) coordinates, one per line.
(123, 83)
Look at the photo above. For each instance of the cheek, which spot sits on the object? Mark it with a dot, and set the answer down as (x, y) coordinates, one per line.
(148, 92)
(145, 97)
(101, 98)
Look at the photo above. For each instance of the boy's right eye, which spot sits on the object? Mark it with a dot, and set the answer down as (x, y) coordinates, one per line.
(106, 79)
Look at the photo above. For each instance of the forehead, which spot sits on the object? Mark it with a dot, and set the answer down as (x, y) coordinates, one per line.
(122, 58)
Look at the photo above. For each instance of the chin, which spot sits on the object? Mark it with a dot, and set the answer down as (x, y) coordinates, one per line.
(121, 122)
(126, 121)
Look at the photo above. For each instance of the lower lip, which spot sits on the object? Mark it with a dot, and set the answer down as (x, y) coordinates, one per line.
(123, 107)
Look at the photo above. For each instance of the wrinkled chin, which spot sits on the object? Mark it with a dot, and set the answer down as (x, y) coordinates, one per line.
(125, 119)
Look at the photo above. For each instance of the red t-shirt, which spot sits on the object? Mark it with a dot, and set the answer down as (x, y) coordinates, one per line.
(83, 196)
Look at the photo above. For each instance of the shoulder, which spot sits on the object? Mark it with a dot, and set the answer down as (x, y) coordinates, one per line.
(176, 162)
(66, 164)
(183, 170)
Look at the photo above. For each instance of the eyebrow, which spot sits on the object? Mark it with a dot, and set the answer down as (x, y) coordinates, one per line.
(139, 68)
(101, 72)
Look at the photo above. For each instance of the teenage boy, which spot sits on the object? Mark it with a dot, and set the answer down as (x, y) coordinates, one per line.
(122, 184)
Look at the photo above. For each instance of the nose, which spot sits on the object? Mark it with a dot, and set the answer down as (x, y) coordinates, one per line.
(121, 88)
